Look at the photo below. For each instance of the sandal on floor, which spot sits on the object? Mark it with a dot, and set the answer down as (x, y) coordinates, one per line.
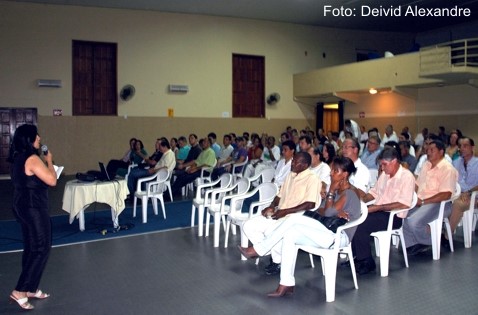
(38, 295)
(22, 302)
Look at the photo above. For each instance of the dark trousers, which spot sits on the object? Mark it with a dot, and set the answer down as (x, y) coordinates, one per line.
(376, 221)
(182, 180)
(114, 165)
(36, 230)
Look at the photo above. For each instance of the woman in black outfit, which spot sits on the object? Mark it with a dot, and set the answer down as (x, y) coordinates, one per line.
(31, 177)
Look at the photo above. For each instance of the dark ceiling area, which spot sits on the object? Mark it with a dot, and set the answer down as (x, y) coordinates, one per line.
(413, 16)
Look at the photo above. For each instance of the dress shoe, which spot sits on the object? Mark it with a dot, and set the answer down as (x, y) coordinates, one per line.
(272, 269)
(248, 252)
(417, 249)
(281, 291)
(365, 266)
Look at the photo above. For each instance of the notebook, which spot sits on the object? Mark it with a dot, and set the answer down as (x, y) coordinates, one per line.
(104, 174)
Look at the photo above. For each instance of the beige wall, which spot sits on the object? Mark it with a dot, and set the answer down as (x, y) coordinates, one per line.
(454, 107)
(154, 50)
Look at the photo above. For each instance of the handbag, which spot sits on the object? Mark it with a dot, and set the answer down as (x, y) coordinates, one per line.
(331, 223)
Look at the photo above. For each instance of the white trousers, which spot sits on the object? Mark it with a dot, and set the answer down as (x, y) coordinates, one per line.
(258, 228)
(295, 229)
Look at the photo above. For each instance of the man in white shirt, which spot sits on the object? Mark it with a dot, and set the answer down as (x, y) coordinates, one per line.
(283, 167)
(361, 178)
(389, 135)
(269, 159)
(226, 150)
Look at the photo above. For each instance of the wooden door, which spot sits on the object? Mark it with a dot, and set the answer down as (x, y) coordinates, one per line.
(10, 119)
(94, 78)
(331, 120)
(248, 82)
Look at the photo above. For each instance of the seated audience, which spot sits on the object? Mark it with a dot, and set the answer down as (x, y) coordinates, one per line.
(194, 151)
(467, 167)
(423, 158)
(435, 183)
(302, 229)
(452, 149)
(114, 165)
(389, 135)
(183, 149)
(167, 160)
(394, 190)
(370, 154)
(405, 136)
(174, 145)
(269, 158)
(226, 150)
(322, 170)
(328, 153)
(239, 155)
(408, 161)
(214, 146)
(284, 164)
(207, 157)
(361, 178)
(300, 192)
(136, 157)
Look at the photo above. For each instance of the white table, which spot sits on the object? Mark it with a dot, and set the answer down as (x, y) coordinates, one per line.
(77, 196)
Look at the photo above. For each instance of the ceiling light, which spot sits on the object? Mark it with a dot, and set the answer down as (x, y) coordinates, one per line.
(372, 91)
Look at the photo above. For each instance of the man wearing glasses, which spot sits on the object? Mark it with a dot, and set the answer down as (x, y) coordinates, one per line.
(369, 156)
(361, 178)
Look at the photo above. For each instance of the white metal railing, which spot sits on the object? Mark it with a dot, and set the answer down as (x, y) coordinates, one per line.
(463, 53)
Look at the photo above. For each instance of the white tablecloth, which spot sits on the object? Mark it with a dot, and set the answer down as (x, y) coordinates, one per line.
(77, 196)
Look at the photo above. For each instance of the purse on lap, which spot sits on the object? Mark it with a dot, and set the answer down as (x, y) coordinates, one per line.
(331, 223)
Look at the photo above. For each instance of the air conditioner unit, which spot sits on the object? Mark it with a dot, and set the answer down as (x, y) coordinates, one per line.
(49, 83)
(174, 88)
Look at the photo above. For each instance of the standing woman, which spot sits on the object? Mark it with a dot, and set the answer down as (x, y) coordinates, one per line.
(31, 177)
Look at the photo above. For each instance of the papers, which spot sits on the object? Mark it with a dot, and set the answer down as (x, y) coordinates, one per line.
(58, 170)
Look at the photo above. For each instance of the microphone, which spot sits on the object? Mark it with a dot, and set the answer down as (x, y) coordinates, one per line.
(44, 149)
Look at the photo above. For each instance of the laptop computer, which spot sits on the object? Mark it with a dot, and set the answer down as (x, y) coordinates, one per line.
(104, 174)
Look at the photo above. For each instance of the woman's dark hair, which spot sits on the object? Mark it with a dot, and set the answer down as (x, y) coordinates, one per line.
(345, 164)
(175, 140)
(330, 151)
(140, 143)
(22, 142)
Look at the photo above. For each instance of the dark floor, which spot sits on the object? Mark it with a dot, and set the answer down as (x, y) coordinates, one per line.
(176, 272)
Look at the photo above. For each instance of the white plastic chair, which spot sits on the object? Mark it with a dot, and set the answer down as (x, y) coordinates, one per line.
(469, 220)
(168, 185)
(264, 176)
(218, 207)
(130, 167)
(155, 187)
(239, 174)
(329, 255)
(267, 193)
(203, 198)
(382, 240)
(437, 224)
(206, 172)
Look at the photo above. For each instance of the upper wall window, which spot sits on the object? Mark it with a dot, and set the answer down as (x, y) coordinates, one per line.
(94, 78)
(248, 82)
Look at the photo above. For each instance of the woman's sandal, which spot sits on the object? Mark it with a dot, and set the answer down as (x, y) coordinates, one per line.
(38, 295)
(22, 302)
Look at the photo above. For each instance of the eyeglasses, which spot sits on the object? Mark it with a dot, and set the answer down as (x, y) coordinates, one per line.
(348, 147)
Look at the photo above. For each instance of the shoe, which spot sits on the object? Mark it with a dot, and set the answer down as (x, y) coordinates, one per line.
(281, 291)
(248, 252)
(445, 242)
(22, 302)
(365, 266)
(272, 269)
(38, 295)
(417, 249)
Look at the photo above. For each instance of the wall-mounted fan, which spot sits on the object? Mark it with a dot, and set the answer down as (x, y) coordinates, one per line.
(273, 99)
(127, 92)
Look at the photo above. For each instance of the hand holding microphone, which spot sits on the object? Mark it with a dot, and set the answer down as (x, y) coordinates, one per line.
(44, 149)
(46, 153)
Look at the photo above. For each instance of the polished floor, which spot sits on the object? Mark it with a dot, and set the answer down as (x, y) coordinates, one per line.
(176, 272)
